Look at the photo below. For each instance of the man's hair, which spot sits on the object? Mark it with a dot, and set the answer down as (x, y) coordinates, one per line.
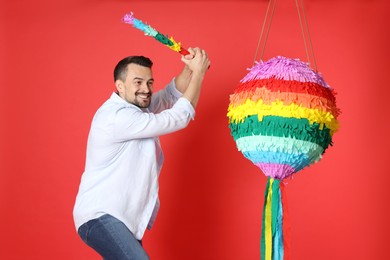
(120, 71)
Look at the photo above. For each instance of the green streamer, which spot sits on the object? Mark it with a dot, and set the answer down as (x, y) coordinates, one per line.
(163, 39)
(275, 200)
(262, 243)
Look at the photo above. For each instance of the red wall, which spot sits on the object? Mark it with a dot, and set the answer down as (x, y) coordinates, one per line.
(56, 65)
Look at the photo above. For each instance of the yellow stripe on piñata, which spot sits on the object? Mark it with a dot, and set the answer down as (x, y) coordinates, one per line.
(237, 114)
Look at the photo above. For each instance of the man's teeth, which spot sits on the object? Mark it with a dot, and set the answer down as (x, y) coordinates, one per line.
(143, 96)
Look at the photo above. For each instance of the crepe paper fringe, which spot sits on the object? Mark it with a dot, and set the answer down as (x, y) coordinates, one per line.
(305, 100)
(281, 86)
(309, 95)
(279, 157)
(238, 114)
(297, 161)
(150, 31)
(273, 237)
(299, 129)
(276, 171)
(275, 144)
(285, 69)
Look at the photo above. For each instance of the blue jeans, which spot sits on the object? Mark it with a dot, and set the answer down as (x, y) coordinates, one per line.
(112, 239)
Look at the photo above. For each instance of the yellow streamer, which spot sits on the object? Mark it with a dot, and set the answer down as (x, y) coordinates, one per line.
(176, 45)
(238, 113)
(268, 224)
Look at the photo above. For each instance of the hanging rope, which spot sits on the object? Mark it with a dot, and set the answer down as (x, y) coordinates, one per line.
(262, 30)
(308, 33)
(273, 3)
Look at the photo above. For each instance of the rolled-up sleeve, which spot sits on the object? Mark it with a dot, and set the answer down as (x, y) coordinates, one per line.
(165, 98)
(132, 123)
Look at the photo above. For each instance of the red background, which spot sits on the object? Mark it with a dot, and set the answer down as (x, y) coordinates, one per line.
(56, 65)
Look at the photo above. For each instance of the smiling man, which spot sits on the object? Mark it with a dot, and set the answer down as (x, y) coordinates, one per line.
(135, 83)
(118, 194)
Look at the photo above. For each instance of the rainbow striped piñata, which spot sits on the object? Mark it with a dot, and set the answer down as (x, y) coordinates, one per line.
(282, 117)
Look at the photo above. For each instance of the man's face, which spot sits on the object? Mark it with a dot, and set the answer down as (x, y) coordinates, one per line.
(138, 87)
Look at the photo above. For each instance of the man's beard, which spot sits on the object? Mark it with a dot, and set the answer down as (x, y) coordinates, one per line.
(143, 103)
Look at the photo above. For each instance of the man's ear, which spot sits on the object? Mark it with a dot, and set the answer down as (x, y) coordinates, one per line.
(119, 85)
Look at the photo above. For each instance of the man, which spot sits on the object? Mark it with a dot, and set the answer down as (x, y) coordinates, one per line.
(118, 193)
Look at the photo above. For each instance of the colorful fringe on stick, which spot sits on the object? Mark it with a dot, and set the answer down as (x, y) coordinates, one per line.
(275, 236)
(149, 31)
(282, 117)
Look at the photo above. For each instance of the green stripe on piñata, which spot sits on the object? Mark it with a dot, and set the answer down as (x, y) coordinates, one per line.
(299, 129)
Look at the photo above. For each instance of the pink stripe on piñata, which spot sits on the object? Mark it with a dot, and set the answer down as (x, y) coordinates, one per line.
(276, 171)
(286, 69)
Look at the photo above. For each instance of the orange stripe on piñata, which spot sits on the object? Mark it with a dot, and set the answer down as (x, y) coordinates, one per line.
(290, 86)
(303, 99)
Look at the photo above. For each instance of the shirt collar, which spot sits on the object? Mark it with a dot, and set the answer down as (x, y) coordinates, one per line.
(117, 99)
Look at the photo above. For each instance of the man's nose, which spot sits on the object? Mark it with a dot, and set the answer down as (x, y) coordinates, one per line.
(145, 87)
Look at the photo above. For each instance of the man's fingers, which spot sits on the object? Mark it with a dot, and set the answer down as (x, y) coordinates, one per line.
(189, 56)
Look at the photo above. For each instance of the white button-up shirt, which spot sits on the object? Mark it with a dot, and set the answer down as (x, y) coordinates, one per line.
(124, 159)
